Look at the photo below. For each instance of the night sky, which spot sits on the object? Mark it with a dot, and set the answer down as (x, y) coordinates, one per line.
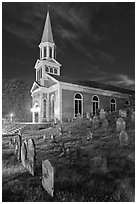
(95, 41)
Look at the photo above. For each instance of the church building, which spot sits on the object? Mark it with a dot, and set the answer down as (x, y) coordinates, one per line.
(58, 97)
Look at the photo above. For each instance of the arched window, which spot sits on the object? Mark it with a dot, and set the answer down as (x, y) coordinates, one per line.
(46, 69)
(44, 108)
(78, 104)
(45, 52)
(52, 105)
(50, 52)
(113, 104)
(51, 70)
(127, 103)
(95, 104)
(55, 71)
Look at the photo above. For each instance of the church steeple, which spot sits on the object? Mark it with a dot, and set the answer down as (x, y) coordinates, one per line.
(47, 33)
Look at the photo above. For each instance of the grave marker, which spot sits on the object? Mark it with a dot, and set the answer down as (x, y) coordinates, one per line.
(23, 154)
(87, 115)
(95, 122)
(123, 138)
(105, 124)
(48, 177)
(123, 113)
(102, 114)
(133, 117)
(120, 124)
(31, 156)
(19, 142)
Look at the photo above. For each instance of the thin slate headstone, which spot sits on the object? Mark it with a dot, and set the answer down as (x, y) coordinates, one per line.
(95, 122)
(105, 124)
(102, 114)
(23, 154)
(31, 156)
(48, 177)
(19, 143)
(123, 138)
(120, 124)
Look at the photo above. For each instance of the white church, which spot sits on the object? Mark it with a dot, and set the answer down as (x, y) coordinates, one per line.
(59, 97)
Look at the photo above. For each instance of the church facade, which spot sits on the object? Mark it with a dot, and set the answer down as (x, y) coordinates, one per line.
(58, 97)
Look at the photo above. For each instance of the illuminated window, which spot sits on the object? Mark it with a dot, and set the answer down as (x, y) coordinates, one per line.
(95, 104)
(77, 104)
(113, 105)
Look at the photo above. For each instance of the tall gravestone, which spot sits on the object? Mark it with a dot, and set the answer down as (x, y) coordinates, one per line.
(95, 122)
(105, 124)
(31, 156)
(19, 143)
(24, 154)
(102, 114)
(123, 138)
(48, 177)
(120, 124)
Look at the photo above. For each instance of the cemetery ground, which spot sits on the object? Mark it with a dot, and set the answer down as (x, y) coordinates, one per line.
(98, 168)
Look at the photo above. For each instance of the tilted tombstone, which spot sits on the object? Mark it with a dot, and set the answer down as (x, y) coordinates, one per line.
(31, 156)
(120, 124)
(48, 177)
(133, 117)
(19, 142)
(23, 154)
(95, 122)
(102, 114)
(123, 138)
(123, 113)
(105, 124)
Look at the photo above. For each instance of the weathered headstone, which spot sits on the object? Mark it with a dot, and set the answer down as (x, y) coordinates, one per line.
(69, 120)
(120, 124)
(87, 115)
(102, 114)
(95, 122)
(68, 153)
(123, 138)
(48, 177)
(105, 124)
(19, 143)
(133, 117)
(123, 113)
(23, 154)
(31, 156)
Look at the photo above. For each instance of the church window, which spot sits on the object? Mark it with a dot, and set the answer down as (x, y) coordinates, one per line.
(50, 52)
(127, 103)
(44, 108)
(46, 69)
(52, 101)
(77, 105)
(51, 70)
(45, 52)
(55, 71)
(113, 104)
(95, 104)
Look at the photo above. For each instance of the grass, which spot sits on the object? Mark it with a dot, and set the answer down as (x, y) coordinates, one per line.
(79, 180)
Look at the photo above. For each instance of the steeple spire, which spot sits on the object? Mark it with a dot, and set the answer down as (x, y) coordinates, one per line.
(47, 33)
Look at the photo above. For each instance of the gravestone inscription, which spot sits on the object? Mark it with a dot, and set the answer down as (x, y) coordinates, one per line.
(48, 177)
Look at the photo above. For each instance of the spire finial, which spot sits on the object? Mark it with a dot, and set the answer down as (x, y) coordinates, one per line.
(48, 7)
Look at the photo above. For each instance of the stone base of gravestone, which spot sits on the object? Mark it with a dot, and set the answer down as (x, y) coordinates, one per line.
(123, 138)
(48, 177)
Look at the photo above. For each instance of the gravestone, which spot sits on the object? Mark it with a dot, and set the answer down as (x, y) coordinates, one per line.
(69, 120)
(19, 142)
(120, 124)
(95, 122)
(102, 114)
(105, 124)
(89, 134)
(123, 113)
(133, 117)
(123, 138)
(68, 153)
(87, 115)
(44, 136)
(31, 156)
(24, 154)
(69, 134)
(48, 177)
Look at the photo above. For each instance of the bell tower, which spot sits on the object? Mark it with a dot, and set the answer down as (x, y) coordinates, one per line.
(47, 63)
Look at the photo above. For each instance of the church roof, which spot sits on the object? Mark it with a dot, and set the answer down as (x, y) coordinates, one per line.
(93, 84)
(47, 32)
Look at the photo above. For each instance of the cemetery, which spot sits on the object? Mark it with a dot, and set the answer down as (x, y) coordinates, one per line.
(84, 159)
